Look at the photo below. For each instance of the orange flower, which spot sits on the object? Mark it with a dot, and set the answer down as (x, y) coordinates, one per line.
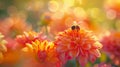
(44, 51)
(29, 37)
(77, 43)
(14, 25)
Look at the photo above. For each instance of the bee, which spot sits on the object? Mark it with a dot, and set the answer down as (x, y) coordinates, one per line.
(75, 27)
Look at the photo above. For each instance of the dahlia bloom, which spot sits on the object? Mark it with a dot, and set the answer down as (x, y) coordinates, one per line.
(111, 44)
(43, 51)
(77, 43)
(29, 37)
(2, 46)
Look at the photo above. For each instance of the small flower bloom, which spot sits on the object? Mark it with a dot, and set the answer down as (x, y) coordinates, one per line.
(44, 51)
(29, 37)
(77, 43)
(111, 44)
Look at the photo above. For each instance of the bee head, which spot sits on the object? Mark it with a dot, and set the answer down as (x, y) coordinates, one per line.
(75, 27)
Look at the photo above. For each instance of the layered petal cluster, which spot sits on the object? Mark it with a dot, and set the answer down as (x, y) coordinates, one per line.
(77, 43)
(2, 46)
(43, 51)
(29, 37)
(111, 44)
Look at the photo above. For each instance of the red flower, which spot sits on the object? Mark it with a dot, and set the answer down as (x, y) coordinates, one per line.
(112, 46)
(77, 43)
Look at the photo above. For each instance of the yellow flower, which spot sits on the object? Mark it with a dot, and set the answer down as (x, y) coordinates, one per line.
(44, 51)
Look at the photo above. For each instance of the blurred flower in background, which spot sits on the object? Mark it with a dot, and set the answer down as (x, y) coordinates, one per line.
(14, 25)
(111, 45)
(58, 19)
(112, 8)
